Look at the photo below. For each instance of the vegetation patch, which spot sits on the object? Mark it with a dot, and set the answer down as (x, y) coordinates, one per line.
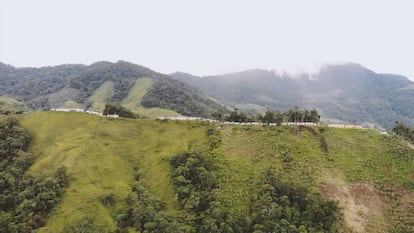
(25, 201)
(134, 98)
(197, 187)
(102, 96)
(179, 97)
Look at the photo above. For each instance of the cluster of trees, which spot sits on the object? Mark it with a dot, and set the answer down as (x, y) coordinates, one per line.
(197, 188)
(123, 74)
(278, 206)
(118, 109)
(144, 213)
(404, 131)
(29, 83)
(171, 94)
(25, 201)
(282, 206)
(292, 115)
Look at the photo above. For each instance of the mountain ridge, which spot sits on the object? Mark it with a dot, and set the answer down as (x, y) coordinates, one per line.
(46, 87)
(346, 92)
(341, 93)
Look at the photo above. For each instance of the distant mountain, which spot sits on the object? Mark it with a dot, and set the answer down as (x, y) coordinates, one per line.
(341, 93)
(90, 87)
(347, 92)
(353, 93)
(260, 87)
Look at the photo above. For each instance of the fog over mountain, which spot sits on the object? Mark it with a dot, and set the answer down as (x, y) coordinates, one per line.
(341, 93)
(346, 92)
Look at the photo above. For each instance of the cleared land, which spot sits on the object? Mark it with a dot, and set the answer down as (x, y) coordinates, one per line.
(133, 100)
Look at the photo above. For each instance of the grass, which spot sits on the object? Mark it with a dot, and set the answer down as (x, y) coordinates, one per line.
(249, 151)
(354, 156)
(133, 100)
(101, 155)
(71, 104)
(101, 96)
(365, 155)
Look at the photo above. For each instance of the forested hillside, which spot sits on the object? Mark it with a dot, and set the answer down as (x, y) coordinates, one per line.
(128, 175)
(341, 93)
(349, 93)
(83, 86)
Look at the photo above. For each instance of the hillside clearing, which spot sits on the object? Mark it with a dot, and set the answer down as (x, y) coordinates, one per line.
(133, 100)
(102, 96)
(101, 155)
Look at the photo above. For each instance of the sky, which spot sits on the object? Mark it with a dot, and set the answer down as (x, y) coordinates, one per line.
(212, 36)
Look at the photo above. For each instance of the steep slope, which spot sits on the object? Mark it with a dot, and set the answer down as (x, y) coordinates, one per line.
(99, 83)
(101, 155)
(101, 96)
(134, 100)
(371, 175)
(347, 92)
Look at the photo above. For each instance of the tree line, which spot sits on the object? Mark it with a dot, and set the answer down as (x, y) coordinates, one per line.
(294, 114)
(404, 131)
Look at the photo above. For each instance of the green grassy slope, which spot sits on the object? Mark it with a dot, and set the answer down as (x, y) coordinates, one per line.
(133, 100)
(101, 96)
(101, 155)
(382, 165)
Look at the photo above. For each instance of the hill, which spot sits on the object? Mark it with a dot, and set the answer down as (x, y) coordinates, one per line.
(102, 82)
(8, 104)
(139, 175)
(347, 92)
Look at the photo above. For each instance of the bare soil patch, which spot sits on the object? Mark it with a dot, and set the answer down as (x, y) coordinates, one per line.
(363, 206)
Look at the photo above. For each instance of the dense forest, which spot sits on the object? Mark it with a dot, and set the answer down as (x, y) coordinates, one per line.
(43, 88)
(175, 95)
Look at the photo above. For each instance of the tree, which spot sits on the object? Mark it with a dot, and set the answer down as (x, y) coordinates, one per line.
(218, 114)
(404, 131)
(268, 117)
(118, 109)
(314, 116)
